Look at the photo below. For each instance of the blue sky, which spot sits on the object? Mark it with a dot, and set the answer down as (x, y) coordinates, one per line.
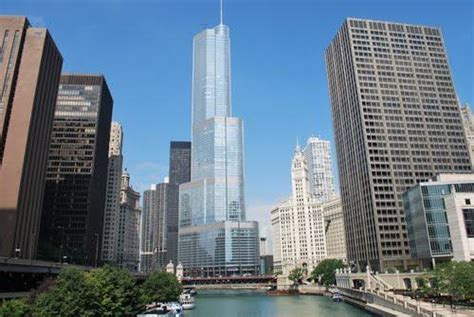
(279, 79)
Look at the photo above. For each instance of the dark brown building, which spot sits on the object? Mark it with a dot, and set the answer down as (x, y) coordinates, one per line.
(30, 66)
(73, 209)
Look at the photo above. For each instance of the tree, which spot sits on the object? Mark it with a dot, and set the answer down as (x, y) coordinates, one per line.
(160, 287)
(14, 308)
(114, 291)
(325, 272)
(71, 296)
(296, 275)
(455, 279)
(105, 291)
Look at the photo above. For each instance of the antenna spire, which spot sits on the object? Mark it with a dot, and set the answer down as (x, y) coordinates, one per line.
(221, 14)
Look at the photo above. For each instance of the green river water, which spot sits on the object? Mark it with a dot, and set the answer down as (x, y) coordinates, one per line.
(252, 304)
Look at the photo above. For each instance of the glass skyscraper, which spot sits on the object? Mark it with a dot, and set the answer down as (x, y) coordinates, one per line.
(214, 238)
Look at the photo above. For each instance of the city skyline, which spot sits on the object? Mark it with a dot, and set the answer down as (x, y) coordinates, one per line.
(375, 209)
(170, 108)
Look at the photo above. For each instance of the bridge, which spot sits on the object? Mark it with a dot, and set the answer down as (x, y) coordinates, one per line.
(22, 275)
(252, 282)
(19, 276)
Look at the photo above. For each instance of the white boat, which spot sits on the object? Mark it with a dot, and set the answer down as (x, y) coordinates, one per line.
(336, 297)
(187, 301)
(162, 310)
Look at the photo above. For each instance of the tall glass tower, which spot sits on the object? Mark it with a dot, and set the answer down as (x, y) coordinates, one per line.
(214, 238)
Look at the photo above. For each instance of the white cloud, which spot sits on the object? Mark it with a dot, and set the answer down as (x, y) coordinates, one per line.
(144, 174)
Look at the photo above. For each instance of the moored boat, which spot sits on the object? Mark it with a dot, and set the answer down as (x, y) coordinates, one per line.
(336, 297)
(163, 310)
(187, 301)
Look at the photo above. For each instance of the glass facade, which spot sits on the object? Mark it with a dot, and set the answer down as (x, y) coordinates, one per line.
(468, 214)
(220, 249)
(179, 173)
(215, 194)
(427, 221)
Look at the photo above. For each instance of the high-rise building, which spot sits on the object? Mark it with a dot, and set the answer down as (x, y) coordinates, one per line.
(128, 246)
(263, 246)
(179, 173)
(440, 219)
(298, 224)
(30, 66)
(334, 230)
(112, 200)
(321, 180)
(214, 236)
(154, 233)
(76, 179)
(397, 122)
(468, 123)
(148, 232)
(180, 162)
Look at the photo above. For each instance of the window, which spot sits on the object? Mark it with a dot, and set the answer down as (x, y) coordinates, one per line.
(469, 222)
(468, 201)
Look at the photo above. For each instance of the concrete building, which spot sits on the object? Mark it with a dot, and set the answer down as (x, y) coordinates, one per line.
(76, 179)
(179, 173)
(154, 228)
(468, 123)
(321, 179)
(147, 232)
(397, 123)
(214, 236)
(129, 226)
(298, 224)
(30, 66)
(334, 230)
(440, 219)
(263, 246)
(112, 200)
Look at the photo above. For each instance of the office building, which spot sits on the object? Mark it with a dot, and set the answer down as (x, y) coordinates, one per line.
(298, 224)
(112, 200)
(468, 123)
(179, 173)
(30, 66)
(440, 219)
(154, 242)
(397, 123)
(263, 246)
(334, 230)
(76, 179)
(266, 264)
(128, 245)
(321, 180)
(214, 236)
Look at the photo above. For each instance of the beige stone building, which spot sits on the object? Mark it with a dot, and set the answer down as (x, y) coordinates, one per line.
(334, 230)
(298, 224)
(397, 122)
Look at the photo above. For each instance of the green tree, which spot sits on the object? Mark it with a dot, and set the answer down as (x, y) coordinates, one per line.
(14, 308)
(71, 296)
(325, 272)
(296, 275)
(160, 287)
(455, 279)
(106, 291)
(114, 292)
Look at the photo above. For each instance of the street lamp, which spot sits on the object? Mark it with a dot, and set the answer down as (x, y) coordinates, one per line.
(61, 247)
(97, 237)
